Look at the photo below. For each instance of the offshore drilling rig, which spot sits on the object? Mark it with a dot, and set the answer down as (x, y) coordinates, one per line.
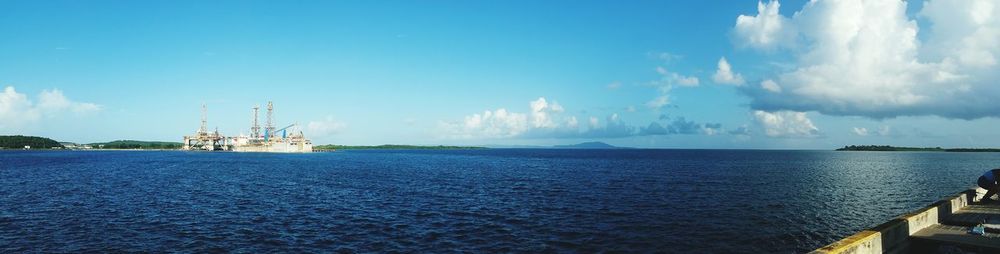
(272, 139)
(278, 140)
(204, 140)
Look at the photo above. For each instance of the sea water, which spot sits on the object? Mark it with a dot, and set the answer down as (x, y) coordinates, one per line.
(489, 200)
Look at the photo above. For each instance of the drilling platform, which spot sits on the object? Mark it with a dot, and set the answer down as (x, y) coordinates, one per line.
(274, 140)
(204, 140)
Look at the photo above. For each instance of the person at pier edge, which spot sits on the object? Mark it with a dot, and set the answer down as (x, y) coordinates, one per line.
(988, 181)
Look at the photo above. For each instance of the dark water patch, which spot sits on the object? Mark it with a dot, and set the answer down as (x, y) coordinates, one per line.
(494, 200)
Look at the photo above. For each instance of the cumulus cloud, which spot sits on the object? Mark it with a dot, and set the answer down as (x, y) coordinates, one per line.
(770, 86)
(613, 127)
(54, 101)
(786, 124)
(15, 107)
(680, 125)
(767, 30)
(965, 31)
(865, 58)
(546, 120)
(495, 124)
(724, 74)
(17, 110)
(541, 111)
(326, 127)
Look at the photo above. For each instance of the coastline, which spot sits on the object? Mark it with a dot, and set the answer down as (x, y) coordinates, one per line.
(886, 148)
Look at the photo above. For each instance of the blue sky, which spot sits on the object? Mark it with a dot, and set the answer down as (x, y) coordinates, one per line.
(640, 73)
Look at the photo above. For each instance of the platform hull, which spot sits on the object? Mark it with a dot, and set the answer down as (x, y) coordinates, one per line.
(276, 148)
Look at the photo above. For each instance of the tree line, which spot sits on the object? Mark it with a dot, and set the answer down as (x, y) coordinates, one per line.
(19, 142)
(134, 144)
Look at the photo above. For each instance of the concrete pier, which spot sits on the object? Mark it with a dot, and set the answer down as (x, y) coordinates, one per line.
(942, 227)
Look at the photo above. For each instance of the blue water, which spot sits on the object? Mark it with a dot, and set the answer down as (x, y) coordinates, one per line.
(496, 200)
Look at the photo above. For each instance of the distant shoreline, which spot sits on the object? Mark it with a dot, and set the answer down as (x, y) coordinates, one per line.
(885, 148)
(395, 147)
(84, 150)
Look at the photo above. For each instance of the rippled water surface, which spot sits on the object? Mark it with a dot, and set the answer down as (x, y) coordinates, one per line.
(495, 200)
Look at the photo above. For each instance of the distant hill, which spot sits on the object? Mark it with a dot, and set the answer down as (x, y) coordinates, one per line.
(19, 142)
(135, 144)
(588, 145)
(518, 147)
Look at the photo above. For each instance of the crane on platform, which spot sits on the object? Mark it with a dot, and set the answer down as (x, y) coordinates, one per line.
(268, 134)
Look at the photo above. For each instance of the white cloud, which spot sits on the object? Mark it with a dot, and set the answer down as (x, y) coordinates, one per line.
(786, 124)
(493, 124)
(614, 127)
(541, 112)
(666, 83)
(54, 101)
(673, 78)
(770, 86)
(724, 74)
(544, 119)
(967, 31)
(325, 127)
(767, 30)
(658, 102)
(864, 58)
(861, 131)
(16, 110)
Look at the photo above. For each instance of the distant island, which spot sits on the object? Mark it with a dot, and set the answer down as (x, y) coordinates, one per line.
(913, 149)
(28, 142)
(588, 145)
(393, 147)
(33, 142)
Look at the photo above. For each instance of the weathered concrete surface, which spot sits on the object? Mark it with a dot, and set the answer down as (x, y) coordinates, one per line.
(868, 241)
(896, 235)
(958, 236)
